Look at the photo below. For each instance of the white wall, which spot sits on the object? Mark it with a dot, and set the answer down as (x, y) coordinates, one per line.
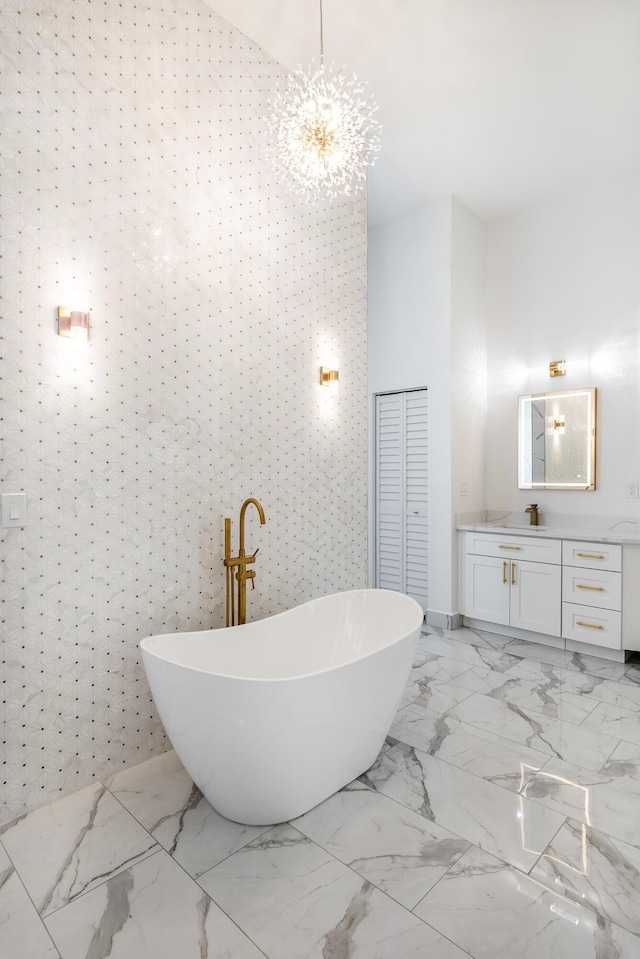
(468, 365)
(426, 319)
(468, 358)
(135, 178)
(408, 338)
(564, 283)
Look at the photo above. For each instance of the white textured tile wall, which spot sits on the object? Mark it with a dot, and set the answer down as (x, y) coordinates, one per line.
(134, 181)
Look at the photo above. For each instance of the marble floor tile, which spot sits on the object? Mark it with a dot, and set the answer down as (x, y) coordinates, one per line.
(536, 671)
(608, 803)
(22, 934)
(421, 727)
(624, 762)
(464, 652)
(439, 697)
(476, 637)
(296, 901)
(575, 744)
(66, 848)
(484, 814)
(539, 652)
(151, 911)
(593, 689)
(161, 796)
(480, 679)
(614, 692)
(578, 673)
(561, 658)
(400, 852)
(422, 652)
(595, 666)
(438, 668)
(548, 697)
(632, 673)
(495, 912)
(494, 758)
(616, 721)
(588, 866)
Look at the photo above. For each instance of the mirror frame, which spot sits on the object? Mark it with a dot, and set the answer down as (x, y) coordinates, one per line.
(590, 393)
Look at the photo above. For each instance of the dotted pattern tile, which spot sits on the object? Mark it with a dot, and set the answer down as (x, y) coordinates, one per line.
(134, 182)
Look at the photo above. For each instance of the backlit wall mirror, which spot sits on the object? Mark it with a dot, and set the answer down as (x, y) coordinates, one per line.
(557, 440)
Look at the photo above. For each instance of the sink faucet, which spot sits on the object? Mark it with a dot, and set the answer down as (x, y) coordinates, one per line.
(532, 510)
(241, 561)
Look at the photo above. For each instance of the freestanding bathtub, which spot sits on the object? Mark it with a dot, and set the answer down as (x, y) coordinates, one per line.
(272, 717)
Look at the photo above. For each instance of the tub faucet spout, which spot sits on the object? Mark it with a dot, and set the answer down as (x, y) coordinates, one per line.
(240, 564)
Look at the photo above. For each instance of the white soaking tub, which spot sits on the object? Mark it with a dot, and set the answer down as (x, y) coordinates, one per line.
(272, 717)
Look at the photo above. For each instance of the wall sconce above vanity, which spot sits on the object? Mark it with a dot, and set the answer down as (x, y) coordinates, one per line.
(74, 324)
(558, 368)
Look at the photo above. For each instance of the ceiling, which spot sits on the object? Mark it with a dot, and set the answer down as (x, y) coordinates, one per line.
(500, 102)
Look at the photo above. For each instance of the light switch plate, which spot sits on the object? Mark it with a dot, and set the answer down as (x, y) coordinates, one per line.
(14, 510)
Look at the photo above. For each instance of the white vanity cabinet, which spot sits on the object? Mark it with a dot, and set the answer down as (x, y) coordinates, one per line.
(571, 591)
(513, 581)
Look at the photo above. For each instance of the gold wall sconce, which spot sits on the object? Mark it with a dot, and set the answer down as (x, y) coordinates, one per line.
(330, 374)
(558, 368)
(73, 323)
(558, 423)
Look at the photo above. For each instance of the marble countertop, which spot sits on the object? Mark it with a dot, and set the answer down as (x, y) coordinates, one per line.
(613, 535)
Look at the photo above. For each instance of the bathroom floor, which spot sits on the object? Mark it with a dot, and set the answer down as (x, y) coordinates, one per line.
(501, 820)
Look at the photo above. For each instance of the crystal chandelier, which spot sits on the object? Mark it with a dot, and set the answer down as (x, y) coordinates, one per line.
(323, 131)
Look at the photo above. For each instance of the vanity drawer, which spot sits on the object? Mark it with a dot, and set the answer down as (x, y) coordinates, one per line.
(530, 548)
(592, 555)
(601, 588)
(601, 627)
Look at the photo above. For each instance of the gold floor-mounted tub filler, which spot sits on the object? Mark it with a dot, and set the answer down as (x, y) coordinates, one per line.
(241, 561)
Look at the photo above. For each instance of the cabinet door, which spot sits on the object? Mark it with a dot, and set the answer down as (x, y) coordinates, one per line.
(536, 596)
(486, 589)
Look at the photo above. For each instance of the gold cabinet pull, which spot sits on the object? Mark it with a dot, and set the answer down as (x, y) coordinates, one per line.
(504, 571)
(596, 589)
(513, 574)
(588, 625)
(510, 547)
(590, 556)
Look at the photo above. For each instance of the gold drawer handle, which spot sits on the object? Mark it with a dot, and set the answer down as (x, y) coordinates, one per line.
(510, 547)
(590, 556)
(588, 625)
(596, 589)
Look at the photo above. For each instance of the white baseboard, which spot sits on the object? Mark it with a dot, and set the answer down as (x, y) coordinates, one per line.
(443, 620)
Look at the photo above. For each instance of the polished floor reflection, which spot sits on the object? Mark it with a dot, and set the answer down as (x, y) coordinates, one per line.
(501, 820)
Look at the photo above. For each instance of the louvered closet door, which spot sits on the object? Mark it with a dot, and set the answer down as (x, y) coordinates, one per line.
(389, 484)
(415, 445)
(401, 488)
